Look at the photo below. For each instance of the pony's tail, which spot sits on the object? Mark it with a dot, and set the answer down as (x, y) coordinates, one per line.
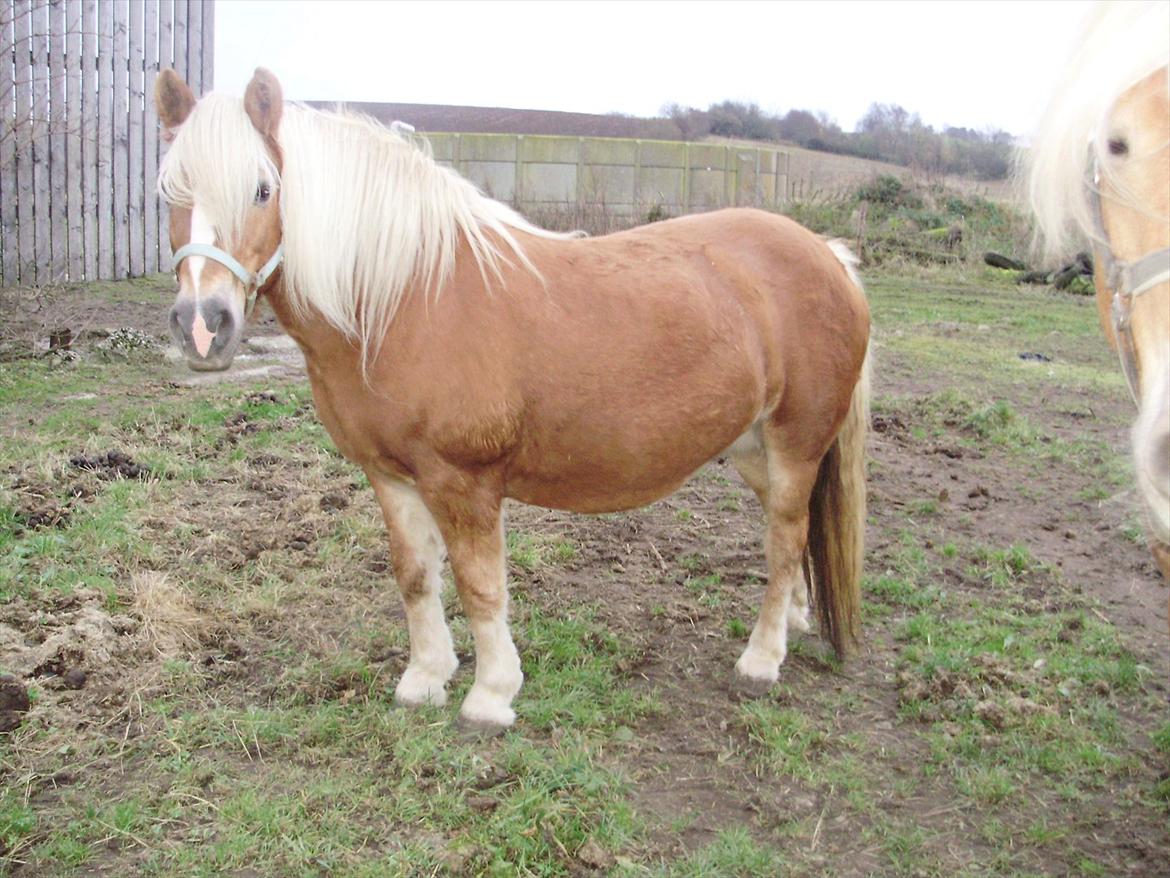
(836, 525)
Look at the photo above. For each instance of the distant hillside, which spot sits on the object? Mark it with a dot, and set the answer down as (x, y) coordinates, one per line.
(504, 120)
(826, 175)
(812, 173)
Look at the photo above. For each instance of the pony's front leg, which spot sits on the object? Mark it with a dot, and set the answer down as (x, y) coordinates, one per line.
(416, 550)
(474, 534)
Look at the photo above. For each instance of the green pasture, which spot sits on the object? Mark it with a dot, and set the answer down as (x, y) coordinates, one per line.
(259, 736)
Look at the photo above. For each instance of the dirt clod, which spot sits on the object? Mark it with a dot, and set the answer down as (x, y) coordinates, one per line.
(75, 678)
(111, 465)
(334, 502)
(13, 694)
(593, 854)
(38, 504)
(14, 703)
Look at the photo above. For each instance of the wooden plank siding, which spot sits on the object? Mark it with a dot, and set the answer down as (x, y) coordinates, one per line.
(166, 59)
(74, 203)
(105, 146)
(58, 217)
(42, 255)
(80, 148)
(89, 139)
(9, 227)
(121, 140)
(23, 139)
(150, 22)
(135, 214)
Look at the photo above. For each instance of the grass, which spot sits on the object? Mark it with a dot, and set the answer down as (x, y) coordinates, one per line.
(733, 854)
(993, 692)
(529, 552)
(1027, 697)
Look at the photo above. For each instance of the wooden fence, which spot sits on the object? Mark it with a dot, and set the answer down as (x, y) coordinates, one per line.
(79, 147)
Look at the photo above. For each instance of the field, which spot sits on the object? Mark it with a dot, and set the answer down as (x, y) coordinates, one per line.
(817, 175)
(195, 588)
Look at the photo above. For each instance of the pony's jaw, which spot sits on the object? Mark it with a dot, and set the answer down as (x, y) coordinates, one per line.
(208, 330)
(1151, 441)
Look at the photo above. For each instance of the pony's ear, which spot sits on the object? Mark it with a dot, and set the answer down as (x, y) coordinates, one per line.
(264, 102)
(173, 100)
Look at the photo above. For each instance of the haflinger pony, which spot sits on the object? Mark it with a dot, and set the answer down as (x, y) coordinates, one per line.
(461, 356)
(1099, 168)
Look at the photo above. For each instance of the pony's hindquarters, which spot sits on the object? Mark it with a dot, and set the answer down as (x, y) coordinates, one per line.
(805, 460)
(836, 524)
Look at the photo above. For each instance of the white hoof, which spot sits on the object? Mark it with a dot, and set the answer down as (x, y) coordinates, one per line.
(483, 710)
(759, 669)
(417, 688)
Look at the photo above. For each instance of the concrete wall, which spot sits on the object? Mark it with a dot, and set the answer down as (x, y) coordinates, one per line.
(624, 176)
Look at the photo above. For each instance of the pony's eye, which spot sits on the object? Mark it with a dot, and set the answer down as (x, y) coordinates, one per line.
(263, 191)
(1118, 146)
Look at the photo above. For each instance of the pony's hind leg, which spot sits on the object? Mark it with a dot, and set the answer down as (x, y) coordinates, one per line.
(750, 459)
(416, 550)
(783, 487)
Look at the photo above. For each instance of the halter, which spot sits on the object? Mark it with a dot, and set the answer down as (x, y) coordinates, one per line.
(1127, 280)
(252, 282)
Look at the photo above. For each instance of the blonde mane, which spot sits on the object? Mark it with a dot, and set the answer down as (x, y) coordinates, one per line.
(1121, 44)
(368, 215)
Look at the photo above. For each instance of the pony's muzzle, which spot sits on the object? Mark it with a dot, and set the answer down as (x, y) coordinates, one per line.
(208, 333)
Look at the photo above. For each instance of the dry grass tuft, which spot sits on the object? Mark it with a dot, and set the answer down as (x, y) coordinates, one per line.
(170, 622)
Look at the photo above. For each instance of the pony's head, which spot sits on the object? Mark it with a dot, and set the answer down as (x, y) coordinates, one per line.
(221, 179)
(1100, 169)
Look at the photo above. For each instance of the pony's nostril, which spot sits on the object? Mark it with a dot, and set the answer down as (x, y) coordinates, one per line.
(182, 316)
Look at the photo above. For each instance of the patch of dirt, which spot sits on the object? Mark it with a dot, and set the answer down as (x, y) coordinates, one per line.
(86, 661)
(38, 504)
(111, 465)
(72, 318)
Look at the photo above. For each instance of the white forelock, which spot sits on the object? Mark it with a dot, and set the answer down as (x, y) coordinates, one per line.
(1121, 44)
(368, 215)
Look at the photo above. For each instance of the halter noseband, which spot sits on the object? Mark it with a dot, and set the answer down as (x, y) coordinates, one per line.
(1127, 281)
(252, 282)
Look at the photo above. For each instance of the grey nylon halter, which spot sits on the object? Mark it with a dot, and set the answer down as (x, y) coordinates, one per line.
(252, 282)
(1127, 281)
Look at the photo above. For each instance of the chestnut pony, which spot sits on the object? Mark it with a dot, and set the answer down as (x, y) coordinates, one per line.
(1099, 168)
(461, 356)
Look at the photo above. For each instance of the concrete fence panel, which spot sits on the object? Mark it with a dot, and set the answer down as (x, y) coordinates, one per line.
(625, 177)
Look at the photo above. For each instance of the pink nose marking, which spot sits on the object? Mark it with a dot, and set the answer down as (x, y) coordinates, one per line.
(201, 335)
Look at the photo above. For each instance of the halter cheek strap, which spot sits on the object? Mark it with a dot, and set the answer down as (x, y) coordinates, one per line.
(252, 282)
(1127, 281)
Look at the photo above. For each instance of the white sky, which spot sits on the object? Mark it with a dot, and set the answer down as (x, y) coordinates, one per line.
(982, 64)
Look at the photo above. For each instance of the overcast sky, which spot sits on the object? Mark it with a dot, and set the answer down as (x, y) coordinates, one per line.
(983, 64)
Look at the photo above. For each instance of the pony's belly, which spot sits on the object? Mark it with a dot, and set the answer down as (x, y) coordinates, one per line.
(607, 475)
(587, 498)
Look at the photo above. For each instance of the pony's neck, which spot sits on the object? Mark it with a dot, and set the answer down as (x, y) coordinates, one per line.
(315, 335)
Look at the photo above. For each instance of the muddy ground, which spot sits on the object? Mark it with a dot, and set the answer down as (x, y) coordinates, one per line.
(668, 582)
